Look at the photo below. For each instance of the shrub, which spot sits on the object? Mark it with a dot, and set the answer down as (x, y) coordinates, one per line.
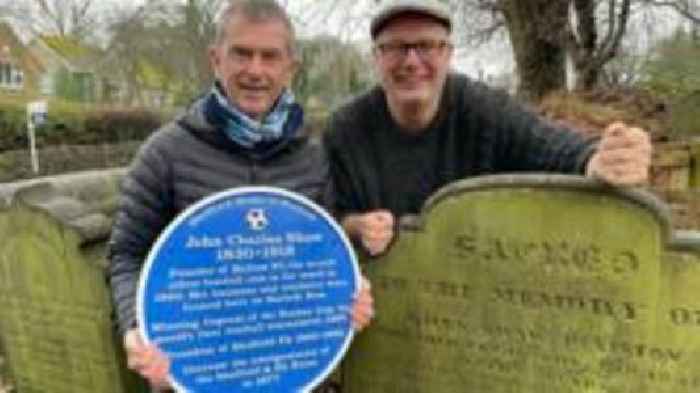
(13, 120)
(684, 119)
(120, 125)
(74, 124)
(674, 71)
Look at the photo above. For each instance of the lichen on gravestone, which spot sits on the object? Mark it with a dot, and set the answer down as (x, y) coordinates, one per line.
(533, 284)
(57, 328)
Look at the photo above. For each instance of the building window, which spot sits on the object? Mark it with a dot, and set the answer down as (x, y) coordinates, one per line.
(11, 76)
(4, 74)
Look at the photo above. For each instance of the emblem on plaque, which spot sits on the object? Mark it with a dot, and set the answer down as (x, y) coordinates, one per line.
(256, 218)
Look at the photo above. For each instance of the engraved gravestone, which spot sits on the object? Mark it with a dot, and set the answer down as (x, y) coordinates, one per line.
(56, 327)
(533, 284)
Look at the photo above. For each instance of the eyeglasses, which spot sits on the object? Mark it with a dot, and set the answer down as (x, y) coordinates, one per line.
(426, 49)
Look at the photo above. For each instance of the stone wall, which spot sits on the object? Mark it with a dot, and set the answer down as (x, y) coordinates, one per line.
(55, 160)
(676, 178)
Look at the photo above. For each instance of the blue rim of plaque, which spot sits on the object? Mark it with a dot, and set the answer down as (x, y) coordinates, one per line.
(236, 192)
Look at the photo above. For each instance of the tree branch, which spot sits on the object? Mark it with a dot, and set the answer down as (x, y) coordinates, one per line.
(682, 7)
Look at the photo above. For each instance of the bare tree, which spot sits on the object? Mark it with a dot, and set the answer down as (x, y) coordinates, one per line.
(168, 37)
(544, 34)
(690, 9)
(590, 49)
(67, 17)
(330, 71)
(345, 19)
(76, 19)
(197, 33)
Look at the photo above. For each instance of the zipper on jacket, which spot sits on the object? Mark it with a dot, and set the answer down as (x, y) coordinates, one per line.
(253, 178)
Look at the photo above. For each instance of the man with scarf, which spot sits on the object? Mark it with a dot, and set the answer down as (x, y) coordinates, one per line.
(246, 131)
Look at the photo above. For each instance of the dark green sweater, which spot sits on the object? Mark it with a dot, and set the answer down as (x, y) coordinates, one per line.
(477, 131)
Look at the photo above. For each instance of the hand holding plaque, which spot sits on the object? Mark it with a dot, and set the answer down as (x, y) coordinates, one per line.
(250, 290)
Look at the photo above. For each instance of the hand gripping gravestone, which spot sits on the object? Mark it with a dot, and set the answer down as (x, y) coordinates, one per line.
(533, 284)
(249, 290)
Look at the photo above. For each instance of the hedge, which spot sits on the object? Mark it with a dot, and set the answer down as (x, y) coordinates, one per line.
(75, 124)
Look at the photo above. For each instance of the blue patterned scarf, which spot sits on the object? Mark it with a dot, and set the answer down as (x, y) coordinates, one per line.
(282, 122)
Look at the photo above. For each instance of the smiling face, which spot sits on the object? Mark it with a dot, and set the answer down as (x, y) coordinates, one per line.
(412, 55)
(254, 63)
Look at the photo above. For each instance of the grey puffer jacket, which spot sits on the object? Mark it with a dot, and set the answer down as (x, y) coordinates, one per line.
(181, 163)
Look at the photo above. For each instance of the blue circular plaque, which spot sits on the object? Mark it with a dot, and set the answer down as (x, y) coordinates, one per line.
(249, 290)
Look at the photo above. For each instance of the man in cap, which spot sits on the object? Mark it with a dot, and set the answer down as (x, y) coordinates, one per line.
(425, 126)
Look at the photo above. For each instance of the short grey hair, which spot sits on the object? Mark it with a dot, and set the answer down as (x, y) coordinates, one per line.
(256, 11)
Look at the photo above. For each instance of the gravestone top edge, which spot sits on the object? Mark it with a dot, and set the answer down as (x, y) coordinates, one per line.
(70, 184)
(62, 206)
(640, 197)
(93, 227)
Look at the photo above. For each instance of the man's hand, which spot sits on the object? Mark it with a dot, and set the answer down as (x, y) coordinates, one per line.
(374, 229)
(363, 306)
(147, 360)
(623, 156)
